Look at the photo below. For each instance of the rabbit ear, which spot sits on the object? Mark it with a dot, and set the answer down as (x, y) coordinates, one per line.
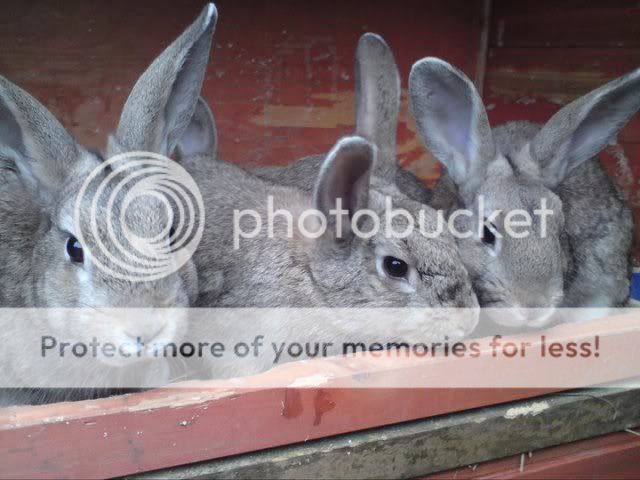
(200, 136)
(451, 120)
(344, 175)
(585, 127)
(378, 100)
(33, 141)
(161, 105)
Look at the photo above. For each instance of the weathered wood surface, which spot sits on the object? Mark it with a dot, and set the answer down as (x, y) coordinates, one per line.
(419, 448)
(569, 23)
(280, 80)
(613, 456)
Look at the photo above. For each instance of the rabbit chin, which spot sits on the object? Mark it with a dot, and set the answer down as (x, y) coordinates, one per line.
(516, 316)
(139, 373)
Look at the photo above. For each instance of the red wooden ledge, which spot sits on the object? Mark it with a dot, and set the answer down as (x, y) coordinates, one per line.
(207, 420)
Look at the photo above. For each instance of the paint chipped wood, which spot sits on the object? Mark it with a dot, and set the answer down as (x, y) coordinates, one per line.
(426, 446)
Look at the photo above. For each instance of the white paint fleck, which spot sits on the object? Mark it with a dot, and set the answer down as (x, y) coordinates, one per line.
(525, 100)
(311, 380)
(533, 409)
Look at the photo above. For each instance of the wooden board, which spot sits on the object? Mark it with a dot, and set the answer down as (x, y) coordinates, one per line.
(418, 448)
(613, 456)
(569, 23)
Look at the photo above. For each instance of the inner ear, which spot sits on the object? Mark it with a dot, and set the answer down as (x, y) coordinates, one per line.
(199, 138)
(33, 142)
(345, 175)
(10, 132)
(451, 121)
(347, 182)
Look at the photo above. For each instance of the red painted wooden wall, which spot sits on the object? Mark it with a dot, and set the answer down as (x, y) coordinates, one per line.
(280, 80)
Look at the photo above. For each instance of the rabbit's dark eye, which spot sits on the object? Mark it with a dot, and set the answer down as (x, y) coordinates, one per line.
(172, 234)
(488, 237)
(74, 250)
(395, 267)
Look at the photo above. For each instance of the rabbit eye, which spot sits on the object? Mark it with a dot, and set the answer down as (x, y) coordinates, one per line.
(74, 250)
(396, 268)
(488, 237)
(172, 234)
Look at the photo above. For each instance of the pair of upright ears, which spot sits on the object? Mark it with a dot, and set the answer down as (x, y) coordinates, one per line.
(453, 123)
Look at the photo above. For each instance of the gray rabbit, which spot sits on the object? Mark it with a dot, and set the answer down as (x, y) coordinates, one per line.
(285, 268)
(584, 258)
(44, 263)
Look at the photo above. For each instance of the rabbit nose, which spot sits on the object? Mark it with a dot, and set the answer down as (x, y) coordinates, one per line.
(145, 338)
(536, 316)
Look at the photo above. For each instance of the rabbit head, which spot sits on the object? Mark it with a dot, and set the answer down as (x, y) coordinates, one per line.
(50, 171)
(515, 245)
(373, 256)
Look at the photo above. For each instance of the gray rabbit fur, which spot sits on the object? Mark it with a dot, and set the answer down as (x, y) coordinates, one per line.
(584, 260)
